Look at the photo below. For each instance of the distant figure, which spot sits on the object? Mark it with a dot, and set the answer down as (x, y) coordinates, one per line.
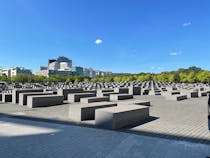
(209, 111)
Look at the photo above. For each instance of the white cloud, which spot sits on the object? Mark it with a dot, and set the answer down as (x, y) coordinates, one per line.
(152, 67)
(175, 53)
(98, 41)
(160, 68)
(157, 69)
(186, 24)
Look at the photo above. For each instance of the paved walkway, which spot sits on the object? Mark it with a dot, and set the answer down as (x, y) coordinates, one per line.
(32, 139)
(185, 120)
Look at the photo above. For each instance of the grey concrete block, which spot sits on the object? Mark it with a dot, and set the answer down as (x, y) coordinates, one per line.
(175, 92)
(105, 90)
(202, 94)
(134, 102)
(93, 99)
(116, 97)
(120, 116)
(15, 93)
(6, 97)
(77, 96)
(169, 93)
(194, 94)
(145, 92)
(89, 91)
(44, 100)
(87, 111)
(121, 90)
(107, 94)
(23, 96)
(134, 90)
(65, 92)
(178, 97)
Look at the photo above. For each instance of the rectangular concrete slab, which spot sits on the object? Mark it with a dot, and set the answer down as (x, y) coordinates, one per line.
(106, 94)
(178, 97)
(194, 94)
(15, 93)
(23, 96)
(121, 90)
(105, 90)
(77, 96)
(134, 90)
(202, 94)
(135, 102)
(120, 116)
(82, 112)
(116, 97)
(44, 100)
(93, 99)
(65, 92)
(6, 97)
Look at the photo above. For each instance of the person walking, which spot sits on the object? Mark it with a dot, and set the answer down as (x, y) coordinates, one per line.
(209, 112)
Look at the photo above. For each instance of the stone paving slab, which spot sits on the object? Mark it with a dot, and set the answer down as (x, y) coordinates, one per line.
(185, 119)
(49, 140)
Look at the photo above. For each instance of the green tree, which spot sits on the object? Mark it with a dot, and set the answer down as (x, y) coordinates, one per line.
(171, 77)
(203, 76)
(4, 77)
(191, 78)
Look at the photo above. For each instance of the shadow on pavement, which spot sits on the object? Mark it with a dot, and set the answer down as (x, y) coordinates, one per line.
(125, 130)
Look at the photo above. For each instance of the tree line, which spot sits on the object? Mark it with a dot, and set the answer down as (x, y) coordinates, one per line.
(43, 79)
(190, 75)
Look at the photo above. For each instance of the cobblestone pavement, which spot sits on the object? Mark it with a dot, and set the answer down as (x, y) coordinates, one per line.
(21, 138)
(185, 120)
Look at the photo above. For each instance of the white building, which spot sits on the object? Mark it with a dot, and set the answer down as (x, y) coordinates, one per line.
(15, 71)
(19, 71)
(60, 66)
(53, 65)
(4, 71)
(61, 63)
(86, 72)
(42, 73)
(92, 73)
(63, 66)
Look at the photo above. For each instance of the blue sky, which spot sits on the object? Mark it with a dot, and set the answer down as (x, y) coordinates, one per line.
(114, 35)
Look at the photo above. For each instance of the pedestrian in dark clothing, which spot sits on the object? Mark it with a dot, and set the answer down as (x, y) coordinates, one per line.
(209, 111)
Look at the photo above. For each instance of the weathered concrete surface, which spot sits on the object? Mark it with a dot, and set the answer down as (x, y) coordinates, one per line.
(93, 99)
(75, 97)
(47, 140)
(65, 92)
(44, 100)
(6, 97)
(23, 96)
(15, 93)
(120, 116)
(168, 118)
(87, 111)
(116, 97)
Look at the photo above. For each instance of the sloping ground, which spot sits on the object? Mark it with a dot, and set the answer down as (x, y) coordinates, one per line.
(21, 138)
(185, 120)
